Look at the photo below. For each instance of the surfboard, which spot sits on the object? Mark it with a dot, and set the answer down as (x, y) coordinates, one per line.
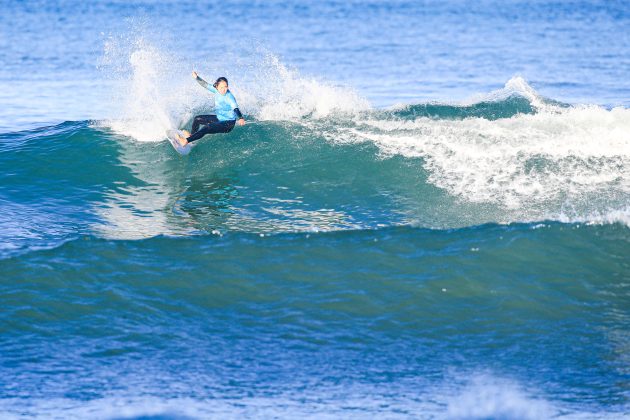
(172, 138)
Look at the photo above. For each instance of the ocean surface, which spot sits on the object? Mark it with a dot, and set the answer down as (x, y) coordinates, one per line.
(427, 214)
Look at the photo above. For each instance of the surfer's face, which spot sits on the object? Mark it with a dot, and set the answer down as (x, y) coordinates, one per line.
(222, 87)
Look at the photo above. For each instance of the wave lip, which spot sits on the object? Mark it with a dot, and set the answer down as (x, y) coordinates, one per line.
(516, 97)
(490, 110)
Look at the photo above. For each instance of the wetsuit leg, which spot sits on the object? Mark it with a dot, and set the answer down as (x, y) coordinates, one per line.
(213, 128)
(202, 120)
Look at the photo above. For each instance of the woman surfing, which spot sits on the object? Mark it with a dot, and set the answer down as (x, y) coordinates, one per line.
(226, 111)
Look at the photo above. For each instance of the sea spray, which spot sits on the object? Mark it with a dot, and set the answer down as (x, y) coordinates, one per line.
(155, 92)
(149, 90)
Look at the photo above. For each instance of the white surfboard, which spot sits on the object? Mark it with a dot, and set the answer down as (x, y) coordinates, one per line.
(172, 138)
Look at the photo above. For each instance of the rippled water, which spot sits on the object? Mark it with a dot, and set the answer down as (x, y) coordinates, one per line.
(426, 215)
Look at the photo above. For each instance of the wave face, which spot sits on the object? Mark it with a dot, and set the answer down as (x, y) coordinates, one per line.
(461, 260)
(508, 158)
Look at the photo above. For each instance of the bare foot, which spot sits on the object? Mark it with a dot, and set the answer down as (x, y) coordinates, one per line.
(181, 140)
(186, 133)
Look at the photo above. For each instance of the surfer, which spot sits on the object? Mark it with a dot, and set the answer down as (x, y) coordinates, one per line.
(226, 114)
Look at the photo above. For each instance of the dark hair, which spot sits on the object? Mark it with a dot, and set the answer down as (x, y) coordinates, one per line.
(219, 80)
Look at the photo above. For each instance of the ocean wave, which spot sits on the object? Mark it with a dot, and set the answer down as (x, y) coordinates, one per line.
(531, 156)
(537, 158)
(361, 172)
(490, 110)
(317, 157)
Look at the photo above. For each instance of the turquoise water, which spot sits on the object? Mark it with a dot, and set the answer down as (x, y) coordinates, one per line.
(396, 232)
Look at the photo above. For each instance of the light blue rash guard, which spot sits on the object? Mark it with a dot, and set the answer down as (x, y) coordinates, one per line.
(224, 105)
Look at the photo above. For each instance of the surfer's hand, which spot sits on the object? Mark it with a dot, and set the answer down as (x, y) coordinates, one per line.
(241, 121)
(194, 74)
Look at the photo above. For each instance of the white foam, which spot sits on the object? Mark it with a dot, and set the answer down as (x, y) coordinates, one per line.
(548, 159)
(488, 397)
(149, 95)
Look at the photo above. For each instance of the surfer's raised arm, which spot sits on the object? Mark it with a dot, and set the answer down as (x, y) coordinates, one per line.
(202, 82)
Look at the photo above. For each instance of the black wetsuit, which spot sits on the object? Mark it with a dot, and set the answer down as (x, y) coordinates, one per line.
(211, 125)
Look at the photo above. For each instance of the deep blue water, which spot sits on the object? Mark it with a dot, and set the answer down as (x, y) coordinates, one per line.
(426, 216)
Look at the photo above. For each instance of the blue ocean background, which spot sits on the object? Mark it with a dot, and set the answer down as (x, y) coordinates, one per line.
(426, 216)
